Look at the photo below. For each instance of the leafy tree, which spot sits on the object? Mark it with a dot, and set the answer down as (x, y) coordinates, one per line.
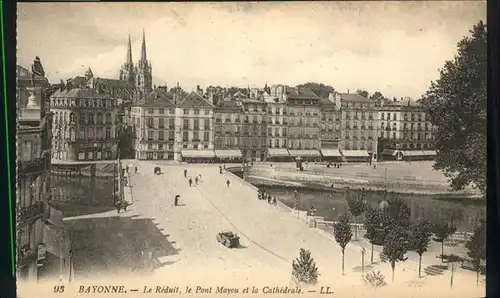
(456, 104)
(304, 269)
(357, 206)
(396, 246)
(363, 93)
(319, 89)
(420, 237)
(441, 231)
(342, 233)
(373, 220)
(397, 213)
(477, 247)
(377, 95)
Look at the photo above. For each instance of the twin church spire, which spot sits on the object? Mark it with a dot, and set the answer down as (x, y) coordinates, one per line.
(140, 75)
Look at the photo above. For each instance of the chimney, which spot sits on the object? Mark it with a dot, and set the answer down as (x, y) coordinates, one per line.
(347, 91)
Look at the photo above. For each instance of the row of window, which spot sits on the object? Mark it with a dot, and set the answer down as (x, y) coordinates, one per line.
(83, 118)
(83, 103)
(412, 117)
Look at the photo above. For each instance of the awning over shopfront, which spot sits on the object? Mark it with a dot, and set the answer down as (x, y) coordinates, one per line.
(228, 154)
(305, 153)
(389, 152)
(430, 152)
(355, 153)
(419, 153)
(330, 153)
(194, 153)
(278, 152)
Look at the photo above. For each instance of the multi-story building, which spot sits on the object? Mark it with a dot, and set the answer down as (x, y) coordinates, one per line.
(277, 128)
(303, 121)
(33, 169)
(254, 128)
(331, 116)
(404, 131)
(194, 138)
(228, 130)
(84, 124)
(359, 127)
(153, 126)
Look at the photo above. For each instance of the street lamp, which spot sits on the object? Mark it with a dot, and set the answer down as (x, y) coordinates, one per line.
(363, 251)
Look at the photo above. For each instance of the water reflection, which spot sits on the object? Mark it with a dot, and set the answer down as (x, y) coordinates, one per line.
(331, 204)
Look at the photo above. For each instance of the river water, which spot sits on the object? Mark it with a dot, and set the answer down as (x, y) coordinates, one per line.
(331, 203)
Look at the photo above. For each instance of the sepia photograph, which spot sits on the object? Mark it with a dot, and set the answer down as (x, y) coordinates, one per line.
(328, 148)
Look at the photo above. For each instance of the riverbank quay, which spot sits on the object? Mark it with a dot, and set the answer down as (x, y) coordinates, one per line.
(409, 178)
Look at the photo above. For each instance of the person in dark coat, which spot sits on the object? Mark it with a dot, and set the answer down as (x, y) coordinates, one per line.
(220, 169)
(176, 200)
(185, 173)
(228, 183)
(190, 182)
(196, 180)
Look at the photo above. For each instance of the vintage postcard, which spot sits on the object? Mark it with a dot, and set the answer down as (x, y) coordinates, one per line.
(306, 149)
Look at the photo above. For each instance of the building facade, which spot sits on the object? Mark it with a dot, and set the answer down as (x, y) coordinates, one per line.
(358, 126)
(254, 128)
(277, 122)
(403, 126)
(85, 124)
(33, 144)
(153, 126)
(194, 128)
(331, 116)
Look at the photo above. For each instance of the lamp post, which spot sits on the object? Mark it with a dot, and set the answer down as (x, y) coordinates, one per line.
(363, 251)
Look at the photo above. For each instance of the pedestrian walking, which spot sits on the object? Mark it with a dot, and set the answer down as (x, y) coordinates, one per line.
(220, 169)
(196, 180)
(200, 177)
(135, 169)
(176, 200)
(190, 182)
(185, 173)
(228, 183)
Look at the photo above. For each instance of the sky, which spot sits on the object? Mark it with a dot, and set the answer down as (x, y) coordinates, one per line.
(396, 48)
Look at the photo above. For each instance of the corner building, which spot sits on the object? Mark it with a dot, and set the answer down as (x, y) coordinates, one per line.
(85, 124)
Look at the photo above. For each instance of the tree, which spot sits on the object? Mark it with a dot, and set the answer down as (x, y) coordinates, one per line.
(477, 247)
(319, 89)
(395, 246)
(456, 105)
(373, 220)
(397, 213)
(357, 205)
(363, 93)
(420, 237)
(342, 233)
(442, 230)
(377, 95)
(304, 269)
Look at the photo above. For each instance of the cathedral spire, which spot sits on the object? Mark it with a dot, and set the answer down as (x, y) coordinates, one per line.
(143, 50)
(129, 51)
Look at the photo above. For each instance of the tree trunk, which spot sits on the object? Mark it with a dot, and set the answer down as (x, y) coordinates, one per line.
(419, 266)
(393, 264)
(442, 251)
(477, 277)
(355, 228)
(342, 262)
(372, 254)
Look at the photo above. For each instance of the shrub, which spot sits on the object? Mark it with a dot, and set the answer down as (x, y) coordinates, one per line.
(375, 279)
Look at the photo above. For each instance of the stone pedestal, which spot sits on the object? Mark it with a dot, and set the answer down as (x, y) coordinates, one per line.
(35, 95)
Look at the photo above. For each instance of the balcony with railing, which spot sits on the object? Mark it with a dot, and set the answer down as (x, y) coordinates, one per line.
(32, 212)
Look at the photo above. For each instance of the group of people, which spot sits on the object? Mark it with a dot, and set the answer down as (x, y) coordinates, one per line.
(197, 178)
(262, 195)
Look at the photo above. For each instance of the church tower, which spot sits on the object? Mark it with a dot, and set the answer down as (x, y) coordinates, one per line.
(144, 79)
(127, 72)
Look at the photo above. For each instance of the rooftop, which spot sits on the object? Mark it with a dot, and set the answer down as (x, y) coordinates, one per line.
(79, 93)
